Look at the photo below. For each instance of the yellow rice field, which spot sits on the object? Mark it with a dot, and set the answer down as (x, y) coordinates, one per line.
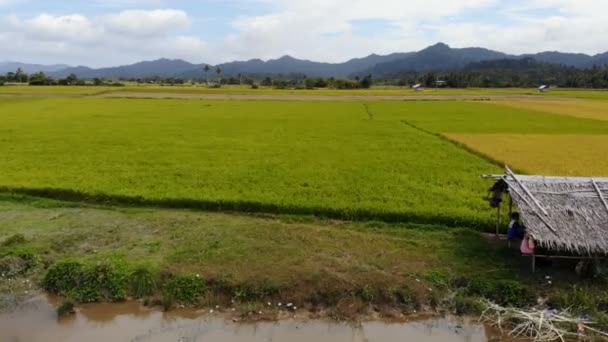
(560, 155)
(597, 110)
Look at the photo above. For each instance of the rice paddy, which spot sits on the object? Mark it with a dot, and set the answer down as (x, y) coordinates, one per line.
(597, 110)
(295, 164)
(383, 160)
(561, 155)
(565, 137)
(330, 159)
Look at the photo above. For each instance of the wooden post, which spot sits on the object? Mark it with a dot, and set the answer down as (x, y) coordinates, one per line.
(498, 220)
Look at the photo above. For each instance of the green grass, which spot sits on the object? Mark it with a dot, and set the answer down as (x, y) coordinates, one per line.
(197, 258)
(301, 257)
(327, 158)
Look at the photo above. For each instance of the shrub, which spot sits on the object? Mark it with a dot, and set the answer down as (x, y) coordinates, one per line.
(509, 292)
(503, 292)
(66, 308)
(12, 265)
(255, 86)
(406, 297)
(185, 288)
(437, 279)
(167, 301)
(14, 240)
(143, 282)
(578, 298)
(464, 305)
(64, 276)
(367, 294)
(111, 279)
(88, 283)
(250, 293)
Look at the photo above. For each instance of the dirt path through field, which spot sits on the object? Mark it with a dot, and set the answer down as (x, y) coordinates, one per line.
(292, 97)
(262, 97)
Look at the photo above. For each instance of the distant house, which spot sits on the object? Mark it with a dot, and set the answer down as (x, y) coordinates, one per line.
(441, 84)
(543, 88)
(418, 87)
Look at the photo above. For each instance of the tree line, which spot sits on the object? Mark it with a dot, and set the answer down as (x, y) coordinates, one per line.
(42, 79)
(521, 73)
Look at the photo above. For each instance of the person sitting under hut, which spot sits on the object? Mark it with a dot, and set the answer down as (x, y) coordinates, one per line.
(516, 229)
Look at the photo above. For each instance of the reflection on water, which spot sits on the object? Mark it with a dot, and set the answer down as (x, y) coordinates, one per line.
(37, 321)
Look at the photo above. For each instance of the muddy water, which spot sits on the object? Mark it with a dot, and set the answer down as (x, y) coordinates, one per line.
(37, 321)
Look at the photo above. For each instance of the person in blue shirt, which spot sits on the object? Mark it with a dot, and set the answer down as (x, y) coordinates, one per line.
(516, 228)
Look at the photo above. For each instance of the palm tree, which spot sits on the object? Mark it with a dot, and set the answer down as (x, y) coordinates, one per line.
(206, 69)
(218, 71)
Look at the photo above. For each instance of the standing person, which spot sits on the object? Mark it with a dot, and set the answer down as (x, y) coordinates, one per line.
(516, 228)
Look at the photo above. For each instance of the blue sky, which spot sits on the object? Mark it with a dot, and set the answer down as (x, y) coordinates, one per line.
(112, 32)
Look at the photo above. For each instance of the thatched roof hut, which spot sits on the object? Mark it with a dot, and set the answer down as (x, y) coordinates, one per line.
(562, 214)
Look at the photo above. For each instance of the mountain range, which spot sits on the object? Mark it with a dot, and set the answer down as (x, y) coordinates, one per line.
(437, 57)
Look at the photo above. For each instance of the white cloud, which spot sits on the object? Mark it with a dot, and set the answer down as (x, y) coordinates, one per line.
(65, 28)
(124, 37)
(147, 23)
(326, 30)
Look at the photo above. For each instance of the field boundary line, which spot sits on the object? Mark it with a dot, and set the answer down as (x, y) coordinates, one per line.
(316, 97)
(461, 146)
(246, 207)
(368, 111)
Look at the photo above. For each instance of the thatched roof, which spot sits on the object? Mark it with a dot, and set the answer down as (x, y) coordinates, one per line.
(563, 213)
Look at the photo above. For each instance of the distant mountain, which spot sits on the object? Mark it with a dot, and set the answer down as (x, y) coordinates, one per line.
(30, 68)
(288, 64)
(578, 60)
(439, 57)
(161, 67)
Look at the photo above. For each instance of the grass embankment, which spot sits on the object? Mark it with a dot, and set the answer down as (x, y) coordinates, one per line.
(169, 257)
(331, 159)
(375, 90)
(247, 90)
(54, 90)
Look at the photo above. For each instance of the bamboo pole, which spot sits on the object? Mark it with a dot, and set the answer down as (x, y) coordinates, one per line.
(599, 192)
(537, 214)
(526, 190)
(498, 220)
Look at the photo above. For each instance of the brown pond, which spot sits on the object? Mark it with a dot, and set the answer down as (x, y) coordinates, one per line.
(37, 320)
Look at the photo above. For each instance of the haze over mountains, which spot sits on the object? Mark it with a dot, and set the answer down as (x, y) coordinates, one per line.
(437, 57)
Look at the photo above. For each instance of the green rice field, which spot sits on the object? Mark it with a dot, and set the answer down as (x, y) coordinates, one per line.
(105, 183)
(334, 159)
(382, 160)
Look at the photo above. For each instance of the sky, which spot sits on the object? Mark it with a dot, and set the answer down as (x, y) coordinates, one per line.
(115, 32)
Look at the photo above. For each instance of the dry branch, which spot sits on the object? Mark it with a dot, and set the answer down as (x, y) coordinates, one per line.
(539, 325)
